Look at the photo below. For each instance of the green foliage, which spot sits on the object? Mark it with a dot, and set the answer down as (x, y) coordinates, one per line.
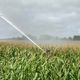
(31, 64)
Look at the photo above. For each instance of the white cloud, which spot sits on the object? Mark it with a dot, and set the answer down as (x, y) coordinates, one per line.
(53, 15)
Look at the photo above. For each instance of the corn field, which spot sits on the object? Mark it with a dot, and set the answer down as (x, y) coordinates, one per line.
(30, 63)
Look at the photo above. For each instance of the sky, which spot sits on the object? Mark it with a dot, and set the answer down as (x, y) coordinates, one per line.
(37, 17)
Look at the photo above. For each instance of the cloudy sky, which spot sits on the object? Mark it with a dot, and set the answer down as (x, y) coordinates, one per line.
(54, 17)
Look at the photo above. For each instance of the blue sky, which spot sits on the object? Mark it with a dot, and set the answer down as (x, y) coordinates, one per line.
(54, 17)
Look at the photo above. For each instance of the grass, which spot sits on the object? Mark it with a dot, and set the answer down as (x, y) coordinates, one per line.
(29, 63)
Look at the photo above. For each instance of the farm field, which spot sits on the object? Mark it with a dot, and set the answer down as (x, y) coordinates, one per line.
(19, 62)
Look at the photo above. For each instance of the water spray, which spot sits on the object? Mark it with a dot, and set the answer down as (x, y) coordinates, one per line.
(20, 31)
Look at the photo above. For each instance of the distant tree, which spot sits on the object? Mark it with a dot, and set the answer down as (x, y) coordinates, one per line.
(76, 37)
(32, 37)
(64, 38)
(46, 37)
(70, 38)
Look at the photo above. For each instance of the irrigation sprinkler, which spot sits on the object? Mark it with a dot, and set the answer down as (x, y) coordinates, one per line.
(19, 30)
